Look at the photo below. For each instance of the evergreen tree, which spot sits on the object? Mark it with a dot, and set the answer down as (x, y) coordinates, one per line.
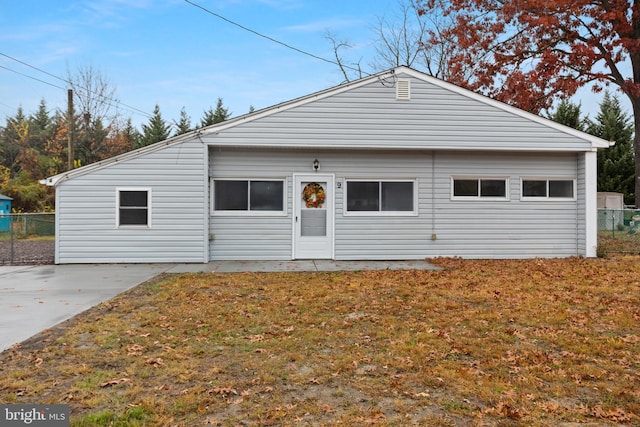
(184, 125)
(41, 127)
(10, 140)
(157, 129)
(91, 141)
(131, 134)
(616, 167)
(568, 114)
(211, 116)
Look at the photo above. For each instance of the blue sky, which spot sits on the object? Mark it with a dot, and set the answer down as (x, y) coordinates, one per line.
(176, 55)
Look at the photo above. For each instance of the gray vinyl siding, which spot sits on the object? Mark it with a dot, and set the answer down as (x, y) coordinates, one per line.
(86, 210)
(370, 116)
(270, 237)
(581, 231)
(512, 228)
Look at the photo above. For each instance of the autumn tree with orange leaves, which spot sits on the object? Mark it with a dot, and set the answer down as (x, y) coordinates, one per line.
(530, 53)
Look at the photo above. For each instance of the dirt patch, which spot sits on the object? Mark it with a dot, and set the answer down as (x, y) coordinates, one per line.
(27, 251)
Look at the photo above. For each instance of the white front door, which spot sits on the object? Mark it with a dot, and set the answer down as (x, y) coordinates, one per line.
(313, 202)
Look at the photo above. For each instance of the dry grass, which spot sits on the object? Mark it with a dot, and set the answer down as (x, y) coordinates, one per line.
(495, 343)
(618, 242)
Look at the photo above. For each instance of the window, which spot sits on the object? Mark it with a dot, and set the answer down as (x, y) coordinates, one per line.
(380, 196)
(248, 196)
(536, 188)
(134, 207)
(479, 188)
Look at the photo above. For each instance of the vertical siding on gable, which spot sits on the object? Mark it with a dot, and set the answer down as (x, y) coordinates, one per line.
(86, 210)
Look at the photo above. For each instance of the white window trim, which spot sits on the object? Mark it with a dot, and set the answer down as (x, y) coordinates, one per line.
(149, 204)
(479, 198)
(547, 198)
(414, 212)
(248, 212)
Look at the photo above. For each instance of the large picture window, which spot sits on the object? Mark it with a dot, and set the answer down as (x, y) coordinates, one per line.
(479, 188)
(257, 196)
(380, 196)
(543, 189)
(134, 207)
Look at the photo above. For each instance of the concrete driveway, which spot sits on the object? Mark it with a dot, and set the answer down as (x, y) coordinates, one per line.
(34, 298)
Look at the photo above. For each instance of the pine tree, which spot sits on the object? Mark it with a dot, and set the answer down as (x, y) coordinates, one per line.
(211, 116)
(184, 125)
(41, 127)
(616, 168)
(157, 129)
(10, 140)
(568, 114)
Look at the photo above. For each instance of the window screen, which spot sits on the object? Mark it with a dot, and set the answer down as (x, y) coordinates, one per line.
(561, 189)
(248, 195)
(480, 187)
(231, 195)
(380, 196)
(532, 188)
(363, 196)
(465, 187)
(133, 207)
(548, 188)
(266, 195)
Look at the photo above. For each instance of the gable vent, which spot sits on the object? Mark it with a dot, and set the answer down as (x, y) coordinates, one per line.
(403, 90)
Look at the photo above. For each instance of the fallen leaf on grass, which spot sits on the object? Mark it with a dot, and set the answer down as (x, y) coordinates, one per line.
(114, 382)
(135, 350)
(222, 391)
(155, 362)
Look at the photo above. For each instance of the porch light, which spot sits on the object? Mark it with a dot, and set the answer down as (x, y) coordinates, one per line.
(316, 165)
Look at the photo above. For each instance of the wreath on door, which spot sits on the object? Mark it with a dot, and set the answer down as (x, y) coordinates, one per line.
(313, 195)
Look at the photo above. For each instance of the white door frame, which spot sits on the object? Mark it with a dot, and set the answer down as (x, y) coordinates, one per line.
(326, 246)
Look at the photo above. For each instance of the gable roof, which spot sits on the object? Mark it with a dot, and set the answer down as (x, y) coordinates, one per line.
(208, 135)
(3, 197)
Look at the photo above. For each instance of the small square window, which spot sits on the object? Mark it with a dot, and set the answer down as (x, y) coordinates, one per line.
(133, 207)
(266, 195)
(397, 196)
(231, 195)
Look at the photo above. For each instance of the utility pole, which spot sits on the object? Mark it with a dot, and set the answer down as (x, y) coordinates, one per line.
(70, 134)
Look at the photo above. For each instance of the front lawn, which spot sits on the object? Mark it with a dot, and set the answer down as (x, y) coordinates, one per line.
(496, 343)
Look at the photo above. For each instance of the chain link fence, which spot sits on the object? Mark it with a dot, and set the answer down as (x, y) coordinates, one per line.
(618, 230)
(27, 238)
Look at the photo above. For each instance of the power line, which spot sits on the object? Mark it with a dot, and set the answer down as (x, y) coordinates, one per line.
(31, 77)
(110, 101)
(288, 46)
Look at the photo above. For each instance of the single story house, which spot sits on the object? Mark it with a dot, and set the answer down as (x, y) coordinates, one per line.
(394, 166)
